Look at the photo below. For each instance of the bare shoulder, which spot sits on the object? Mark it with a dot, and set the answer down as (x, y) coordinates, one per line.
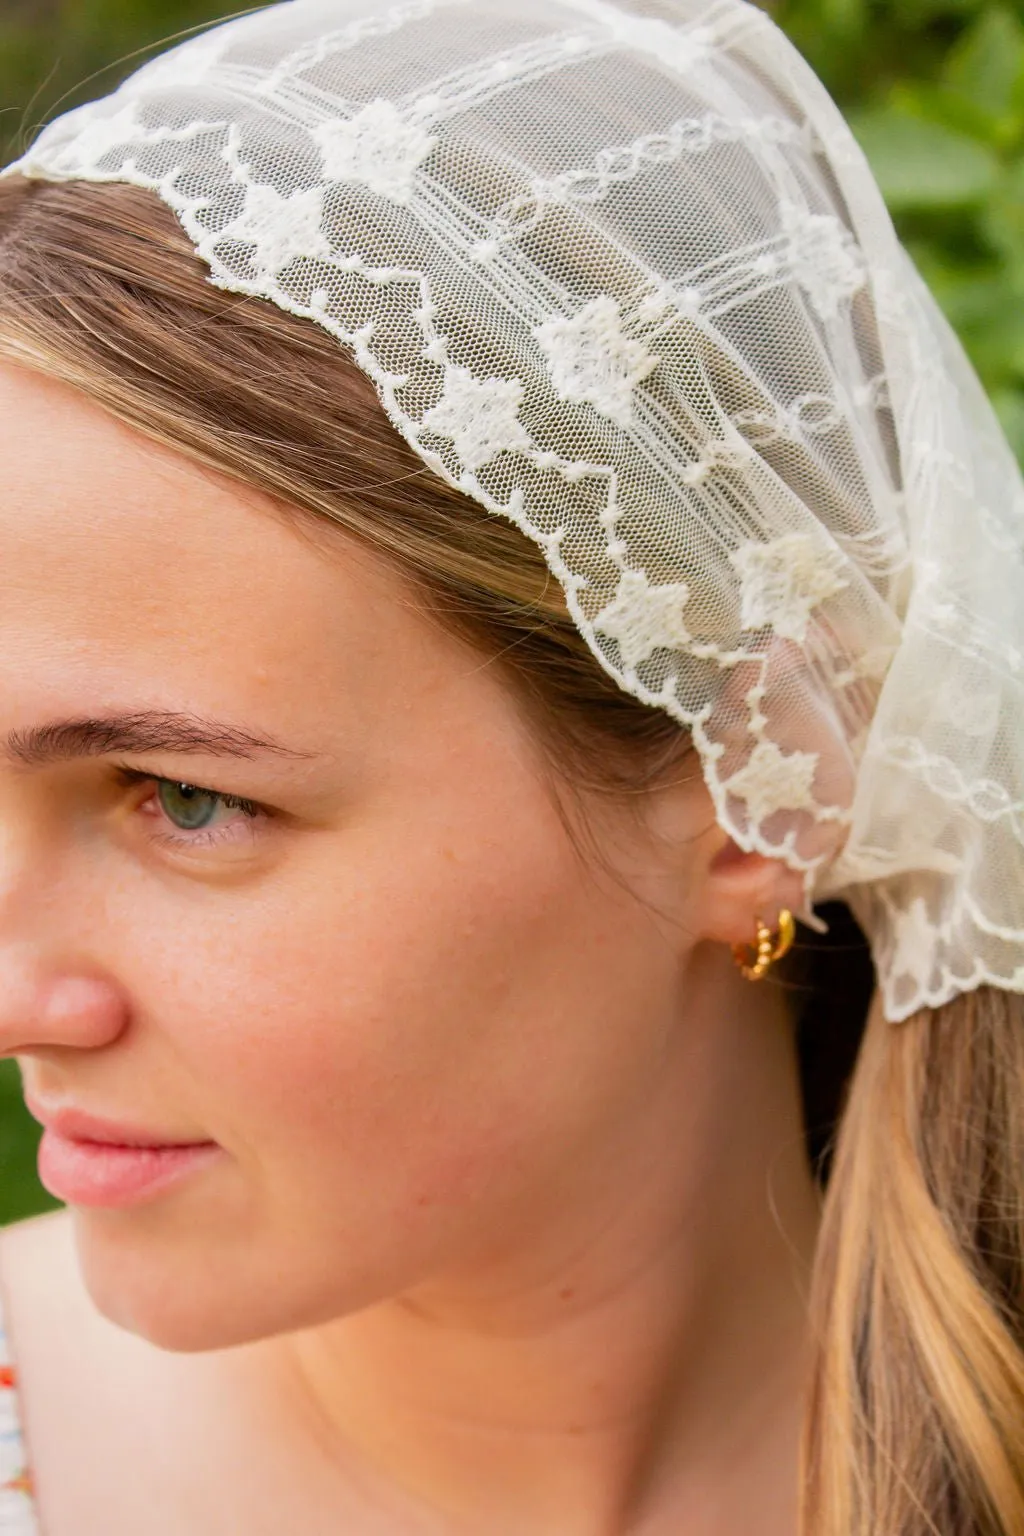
(51, 1320)
(125, 1437)
(54, 1227)
(38, 1273)
(94, 1400)
(35, 1247)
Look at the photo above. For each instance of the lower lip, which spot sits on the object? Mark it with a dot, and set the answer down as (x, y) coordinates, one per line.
(90, 1173)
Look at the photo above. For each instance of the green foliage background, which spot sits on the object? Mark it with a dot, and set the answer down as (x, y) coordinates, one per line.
(933, 89)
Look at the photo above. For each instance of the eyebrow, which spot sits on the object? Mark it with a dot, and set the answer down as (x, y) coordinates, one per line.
(144, 731)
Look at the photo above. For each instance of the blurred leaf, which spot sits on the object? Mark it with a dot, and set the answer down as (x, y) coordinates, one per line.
(996, 347)
(846, 17)
(1001, 223)
(937, 103)
(914, 13)
(986, 65)
(919, 163)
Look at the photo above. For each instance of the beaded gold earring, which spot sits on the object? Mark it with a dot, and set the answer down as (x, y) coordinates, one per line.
(766, 950)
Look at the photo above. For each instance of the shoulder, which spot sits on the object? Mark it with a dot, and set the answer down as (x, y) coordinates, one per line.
(51, 1227)
(91, 1395)
(122, 1436)
(37, 1310)
(34, 1247)
(50, 1321)
(36, 1285)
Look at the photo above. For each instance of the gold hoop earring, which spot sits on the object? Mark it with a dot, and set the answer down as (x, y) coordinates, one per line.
(766, 953)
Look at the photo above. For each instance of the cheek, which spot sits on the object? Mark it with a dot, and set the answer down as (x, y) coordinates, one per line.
(415, 1022)
(404, 1015)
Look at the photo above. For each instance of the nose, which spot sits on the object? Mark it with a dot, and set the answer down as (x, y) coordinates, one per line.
(54, 991)
(46, 1003)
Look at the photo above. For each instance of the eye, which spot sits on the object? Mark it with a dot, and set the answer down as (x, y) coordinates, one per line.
(190, 814)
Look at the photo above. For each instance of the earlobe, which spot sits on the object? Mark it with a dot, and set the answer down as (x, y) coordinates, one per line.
(738, 888)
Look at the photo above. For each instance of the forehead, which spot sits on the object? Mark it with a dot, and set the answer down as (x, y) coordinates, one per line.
(83, 493)
(128, 570)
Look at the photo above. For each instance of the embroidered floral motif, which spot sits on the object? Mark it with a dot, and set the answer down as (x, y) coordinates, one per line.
(481, 416)
(782, 581)
(914, 940)
(281, 228)
(642, 617)
(772, 780)
(823, 256)
(592, 359)
(378, 147)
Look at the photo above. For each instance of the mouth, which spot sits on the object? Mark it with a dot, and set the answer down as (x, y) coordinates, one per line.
(104, 1174)
(71, 1124)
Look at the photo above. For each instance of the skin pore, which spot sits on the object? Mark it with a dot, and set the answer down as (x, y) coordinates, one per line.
(513, 1218)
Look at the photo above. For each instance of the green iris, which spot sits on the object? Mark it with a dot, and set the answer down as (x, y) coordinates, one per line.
(189, 807)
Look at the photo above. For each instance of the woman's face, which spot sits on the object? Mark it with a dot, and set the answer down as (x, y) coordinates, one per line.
(390, 989)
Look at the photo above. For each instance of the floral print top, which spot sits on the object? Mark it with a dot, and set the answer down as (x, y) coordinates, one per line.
(17, 1505)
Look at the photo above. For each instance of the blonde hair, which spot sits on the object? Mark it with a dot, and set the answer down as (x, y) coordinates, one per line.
(915, 1416)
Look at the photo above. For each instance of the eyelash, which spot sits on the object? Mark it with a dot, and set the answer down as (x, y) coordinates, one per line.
(201, 837)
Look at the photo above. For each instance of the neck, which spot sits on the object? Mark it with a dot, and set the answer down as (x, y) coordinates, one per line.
(631, 1347)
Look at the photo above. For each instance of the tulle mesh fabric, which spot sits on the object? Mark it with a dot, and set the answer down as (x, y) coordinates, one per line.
(622, 274)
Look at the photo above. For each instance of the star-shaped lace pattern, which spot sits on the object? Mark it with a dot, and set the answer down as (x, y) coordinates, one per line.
(642, 617)
(772, 780)
(481, 416)
(281, 228)
(915, 941)
(591, 359)
(823, 257)
(784, 580)
(378, 148)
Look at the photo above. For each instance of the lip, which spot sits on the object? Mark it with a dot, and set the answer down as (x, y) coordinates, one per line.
(90, 1173)
(75, 1125)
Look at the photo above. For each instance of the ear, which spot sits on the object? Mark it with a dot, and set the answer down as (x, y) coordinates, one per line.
(737, 887)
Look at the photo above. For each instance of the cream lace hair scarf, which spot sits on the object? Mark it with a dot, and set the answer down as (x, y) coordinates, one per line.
(622, 274)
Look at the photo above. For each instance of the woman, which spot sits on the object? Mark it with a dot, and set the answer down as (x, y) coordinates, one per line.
(494, 526)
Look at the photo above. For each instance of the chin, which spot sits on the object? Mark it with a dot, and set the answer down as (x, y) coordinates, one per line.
(186, 1304)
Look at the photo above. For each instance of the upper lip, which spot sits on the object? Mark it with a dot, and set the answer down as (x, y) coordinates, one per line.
(76, 1125)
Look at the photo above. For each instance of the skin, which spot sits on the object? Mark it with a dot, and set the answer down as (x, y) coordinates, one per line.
(512, 1219)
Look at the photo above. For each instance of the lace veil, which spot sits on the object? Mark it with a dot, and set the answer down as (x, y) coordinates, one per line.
(622, 274)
